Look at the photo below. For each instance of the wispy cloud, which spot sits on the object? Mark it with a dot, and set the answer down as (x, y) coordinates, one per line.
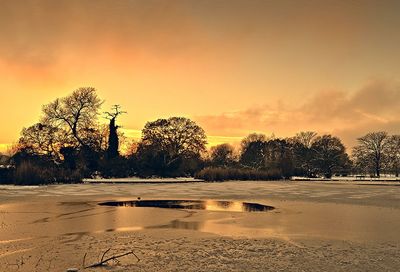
(376, 106)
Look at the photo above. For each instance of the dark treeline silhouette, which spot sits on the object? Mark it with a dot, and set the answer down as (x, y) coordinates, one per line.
(279, 158)
(69, 143)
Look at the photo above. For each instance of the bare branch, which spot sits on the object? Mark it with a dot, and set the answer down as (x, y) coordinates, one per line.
(103, 261)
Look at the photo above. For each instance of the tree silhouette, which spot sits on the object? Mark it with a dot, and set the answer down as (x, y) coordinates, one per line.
(393, 154)
(252, 137)
(329, 155)
(43, 140)
(302, 152)
(305, 138)
(254, 154)
(113, 141)
(169, 144)
(222, 155)
(278, 156)
(371, 151)
(67, 135)
(76, 114)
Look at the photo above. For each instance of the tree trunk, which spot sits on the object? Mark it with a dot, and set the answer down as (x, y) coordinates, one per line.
(113, 142)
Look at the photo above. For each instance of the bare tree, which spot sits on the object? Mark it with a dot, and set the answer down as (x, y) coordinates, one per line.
(371, 151)
(305, 138)
(75, 113)
(42, 139)
(113, 140)
(393, 154)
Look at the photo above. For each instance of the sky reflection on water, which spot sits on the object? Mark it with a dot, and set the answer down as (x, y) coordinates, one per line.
(208, 205)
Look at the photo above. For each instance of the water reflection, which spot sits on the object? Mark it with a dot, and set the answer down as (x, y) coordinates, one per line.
(225, 225)
(214, 226)
(208, 205)
(178, 224)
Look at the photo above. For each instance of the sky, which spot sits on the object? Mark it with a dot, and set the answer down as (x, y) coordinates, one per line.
(235, 67)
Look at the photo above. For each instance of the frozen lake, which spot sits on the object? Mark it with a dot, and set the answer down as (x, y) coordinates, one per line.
(304, 212)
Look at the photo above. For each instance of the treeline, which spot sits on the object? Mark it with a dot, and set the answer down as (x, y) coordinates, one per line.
(306, 154)
(69, 143)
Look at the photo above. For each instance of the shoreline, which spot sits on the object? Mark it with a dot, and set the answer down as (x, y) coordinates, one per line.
(141, 180)
(379, 182)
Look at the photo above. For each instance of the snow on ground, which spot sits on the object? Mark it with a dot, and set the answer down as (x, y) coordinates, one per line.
(190, 179)
(350, 178)
(316, 226)
(141, 180)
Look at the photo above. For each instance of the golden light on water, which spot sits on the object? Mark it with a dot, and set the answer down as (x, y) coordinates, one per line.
(229, 206)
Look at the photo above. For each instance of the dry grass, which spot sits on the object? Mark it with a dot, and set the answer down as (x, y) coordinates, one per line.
(221, 174)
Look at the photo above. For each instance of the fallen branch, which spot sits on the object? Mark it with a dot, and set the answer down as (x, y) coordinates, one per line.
(103, 261)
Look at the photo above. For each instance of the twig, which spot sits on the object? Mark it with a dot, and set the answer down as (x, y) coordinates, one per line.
(103, 261)
(104, 254)
(84, 258)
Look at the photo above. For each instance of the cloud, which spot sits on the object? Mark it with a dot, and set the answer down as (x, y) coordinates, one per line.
(375, 106)
(41, 33)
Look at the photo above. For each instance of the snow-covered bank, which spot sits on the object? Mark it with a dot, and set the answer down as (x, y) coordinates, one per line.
(350, 178)
(142, 180)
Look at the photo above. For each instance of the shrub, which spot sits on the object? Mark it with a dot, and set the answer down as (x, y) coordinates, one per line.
(63, 175)
(6, 175)
(27, 173)
(221, 174)
(117, 167)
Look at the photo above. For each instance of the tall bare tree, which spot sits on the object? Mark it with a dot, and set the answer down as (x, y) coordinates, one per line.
(371, 151)
(76, 114)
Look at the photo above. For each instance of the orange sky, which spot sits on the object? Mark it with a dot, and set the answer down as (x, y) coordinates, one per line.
(233, 66)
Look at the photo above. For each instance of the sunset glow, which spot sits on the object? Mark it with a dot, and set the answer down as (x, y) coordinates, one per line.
(200, 135)
(234, 67)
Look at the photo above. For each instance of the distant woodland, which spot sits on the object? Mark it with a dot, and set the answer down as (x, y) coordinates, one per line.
(69, 142)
